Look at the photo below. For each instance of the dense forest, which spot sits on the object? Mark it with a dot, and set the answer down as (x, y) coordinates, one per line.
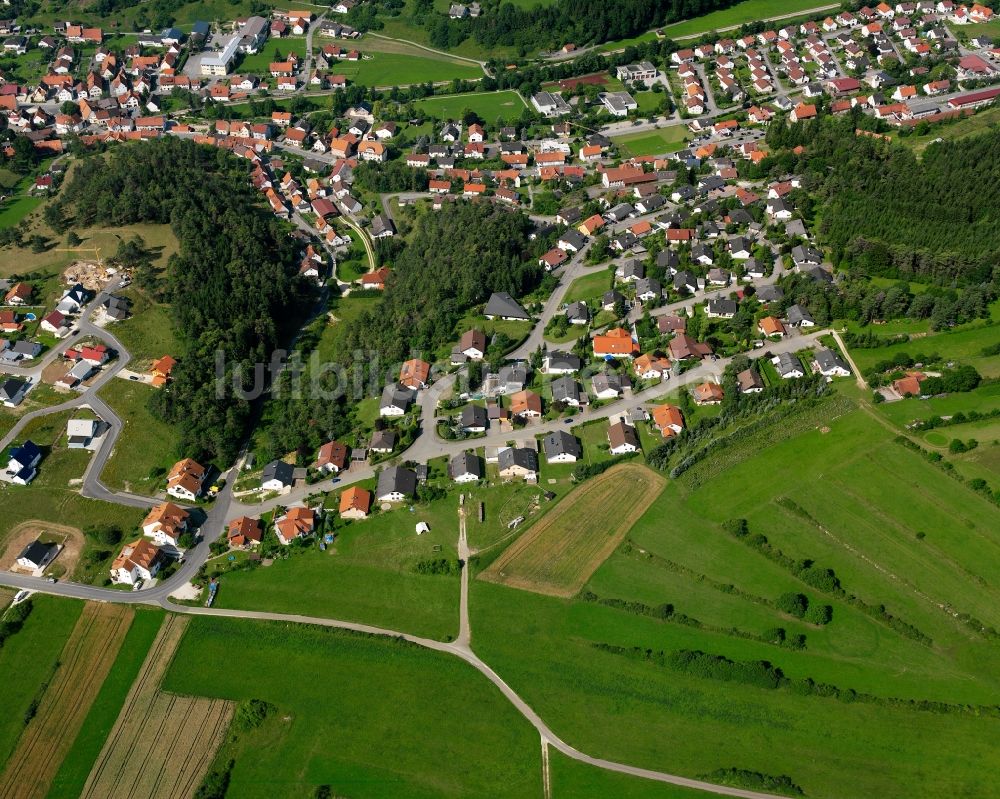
(453, 260)
(553, 25)
(233, 286)
(884, 212)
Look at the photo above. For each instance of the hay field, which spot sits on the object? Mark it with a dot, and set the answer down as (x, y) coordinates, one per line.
(162, 744)
(559, 554)
(85, 661)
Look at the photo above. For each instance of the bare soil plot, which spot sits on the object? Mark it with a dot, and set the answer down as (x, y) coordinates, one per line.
(162, 744)
(83, 665)
(89, 274)
(559, 554)
(70, 538)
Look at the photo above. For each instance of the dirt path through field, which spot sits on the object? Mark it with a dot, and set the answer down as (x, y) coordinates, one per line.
(162, 744)
(83, 665)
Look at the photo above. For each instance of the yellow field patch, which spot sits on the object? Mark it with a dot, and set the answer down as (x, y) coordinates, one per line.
(559, 554)
(84, 663)
(162, 744)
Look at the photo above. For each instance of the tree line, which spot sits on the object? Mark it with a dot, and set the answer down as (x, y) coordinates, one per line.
(233, 286)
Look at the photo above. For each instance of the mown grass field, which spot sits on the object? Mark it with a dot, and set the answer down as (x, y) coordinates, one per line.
(571, 778)
(27, 662)
(489, 106)
(979, 122)
(866, 499)
(367, 575)
(76, 765)
(147, 446)
(174, 737)
(559, 553)
(739, 14)
(370, 717)
(654, 142)
(400, 69)
(84, 663)
(159, 238)
(149, 332)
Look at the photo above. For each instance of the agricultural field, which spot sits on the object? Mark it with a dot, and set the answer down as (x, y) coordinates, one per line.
(174, 738)
(560, 553)
(28, 661)
(654, 142)
(134, 465)
(488, 105)
(83, 664)
(894, 530)
(104, 709)
(370, 717)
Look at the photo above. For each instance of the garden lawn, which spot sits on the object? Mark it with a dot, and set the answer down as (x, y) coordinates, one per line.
(654, 142)
(589, 287)
(488, 105)
(371, 717)
(147, 446)
(27, 661)
(274, 50)
(983, 399)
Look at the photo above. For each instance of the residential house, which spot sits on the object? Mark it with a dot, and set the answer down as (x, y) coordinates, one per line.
(749, 381)
(245, 531)
(277, 476)
(185, 480)
(616, 343)
(396, 400)
(298, 522)
(829, 364)
(355, 503)
(708, 394)
(562, 447)
(165, 524)
(415, 374)
(465, 467)
(622, 439)
(137, 562)
(502, 306)
(668, 420)
(396, 484)
(788, 366)
(518, 462)
(332, 458)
